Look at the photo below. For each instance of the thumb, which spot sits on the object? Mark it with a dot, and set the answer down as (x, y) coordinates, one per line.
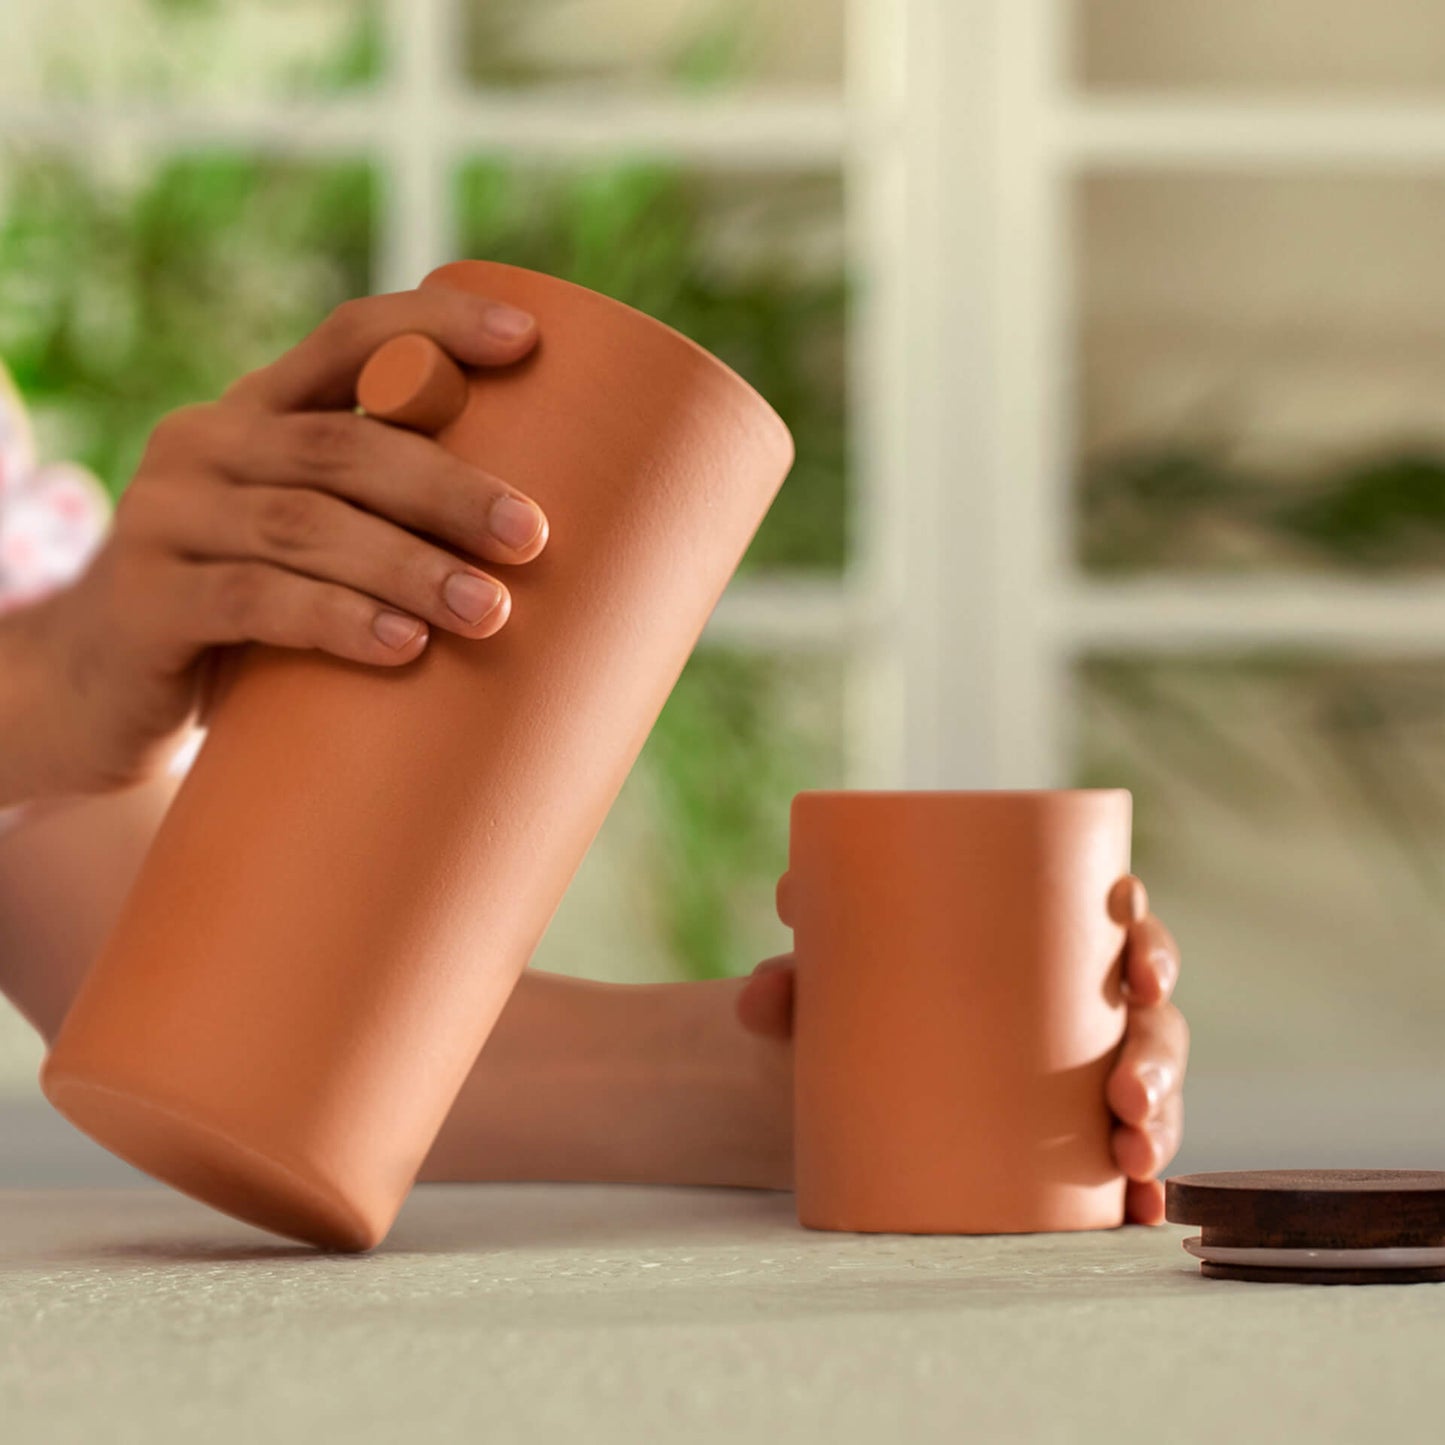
(765, 1002)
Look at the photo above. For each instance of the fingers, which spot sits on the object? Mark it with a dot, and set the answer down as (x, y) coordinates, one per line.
(398, 475)
(226, 602)
(1144, 1201)
(1128, 900)
(1151, 961)
(1145, 1092)
(319, 536)
(1151, 1063)
(1142, 1151)
(765, 1005)
(321, 371)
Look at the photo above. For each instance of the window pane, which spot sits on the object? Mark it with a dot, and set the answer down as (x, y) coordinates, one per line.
(1282, 45)
(691, 44)
(1262, 361)
(1290, 825)
(126, 292)
(202, 50)
(750, 266)
(681, 881)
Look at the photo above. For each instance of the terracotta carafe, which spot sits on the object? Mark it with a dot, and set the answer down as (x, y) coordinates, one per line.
(958, 1009)
(361, 861)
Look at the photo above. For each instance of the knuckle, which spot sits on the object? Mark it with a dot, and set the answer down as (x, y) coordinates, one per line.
(179, 432)
(340, 619)
(327, 619)
(412, 576)
(288, 520)
(144, 508)
(323, 444)
(123, 579)
(348, 321)
(237, 597)
(136, 507)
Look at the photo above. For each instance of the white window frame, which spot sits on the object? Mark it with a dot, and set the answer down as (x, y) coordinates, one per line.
(999, 133)
(962, 613)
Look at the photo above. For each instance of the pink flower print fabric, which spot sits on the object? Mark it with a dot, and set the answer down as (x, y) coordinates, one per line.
(51, 517)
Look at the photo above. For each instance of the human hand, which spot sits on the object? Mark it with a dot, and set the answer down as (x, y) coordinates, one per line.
(278, 515)
(1145, 1088)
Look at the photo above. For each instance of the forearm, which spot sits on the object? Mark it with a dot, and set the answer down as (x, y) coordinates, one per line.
(27, 710)
(645, 1083)
(65, 871)
(651, 1084)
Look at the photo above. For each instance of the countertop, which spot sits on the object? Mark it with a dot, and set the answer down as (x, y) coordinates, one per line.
(533, 1312)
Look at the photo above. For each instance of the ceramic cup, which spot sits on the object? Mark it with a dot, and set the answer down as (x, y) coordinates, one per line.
(362, 860)
(958, 1009)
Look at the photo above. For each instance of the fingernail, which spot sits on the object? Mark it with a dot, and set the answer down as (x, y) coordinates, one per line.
(1154, 1081)
(471, 597)
(514, 523)
(395, 630)
(1128, 902)
(507, 324)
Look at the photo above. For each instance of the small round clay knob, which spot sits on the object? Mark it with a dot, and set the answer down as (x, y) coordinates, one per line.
(1128, 902)
(412, 382)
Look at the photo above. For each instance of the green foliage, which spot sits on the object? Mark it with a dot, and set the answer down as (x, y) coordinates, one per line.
(199, 30)
(360, 60)
(1383, 511)
(721, 767)
(645, 234)
(1370, 731)
(1176, 505)
(723, 760)
(717, 53)
(710, 48)
(1172, 505)
(119, 303)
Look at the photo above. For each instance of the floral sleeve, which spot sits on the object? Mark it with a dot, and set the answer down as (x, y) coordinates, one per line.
(51, 520)
(51, 517)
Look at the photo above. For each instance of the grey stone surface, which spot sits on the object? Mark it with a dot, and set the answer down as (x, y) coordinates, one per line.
(534, 1313)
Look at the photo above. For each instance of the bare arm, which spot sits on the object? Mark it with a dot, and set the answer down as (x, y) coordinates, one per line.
(65, 870)
(623, 1083)
(615, 1083)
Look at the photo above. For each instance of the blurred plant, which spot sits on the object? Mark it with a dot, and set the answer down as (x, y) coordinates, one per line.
(164, 48)
(1177, 505)
(1367, 734)
(647, 234)
(1189, 503)
(721, 767)
(1384, 511)
(710, 44)
(723, 759)
(121, 302)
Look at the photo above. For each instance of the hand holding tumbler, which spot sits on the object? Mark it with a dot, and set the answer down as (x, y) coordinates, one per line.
(958, 1009)
(361, 861)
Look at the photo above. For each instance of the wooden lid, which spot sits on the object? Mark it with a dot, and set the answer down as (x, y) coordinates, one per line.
(1311, 1208)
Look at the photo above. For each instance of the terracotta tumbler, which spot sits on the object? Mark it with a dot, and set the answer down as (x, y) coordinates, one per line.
(361, 862)
(958, 1009)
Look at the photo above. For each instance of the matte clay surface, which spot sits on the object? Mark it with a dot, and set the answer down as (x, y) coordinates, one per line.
(362, 860)
(1314, 1208)
(411, 381)
(631, 1316)
(959, 1008)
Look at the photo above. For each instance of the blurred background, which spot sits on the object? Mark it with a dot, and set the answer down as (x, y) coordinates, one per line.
(1112, 335)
